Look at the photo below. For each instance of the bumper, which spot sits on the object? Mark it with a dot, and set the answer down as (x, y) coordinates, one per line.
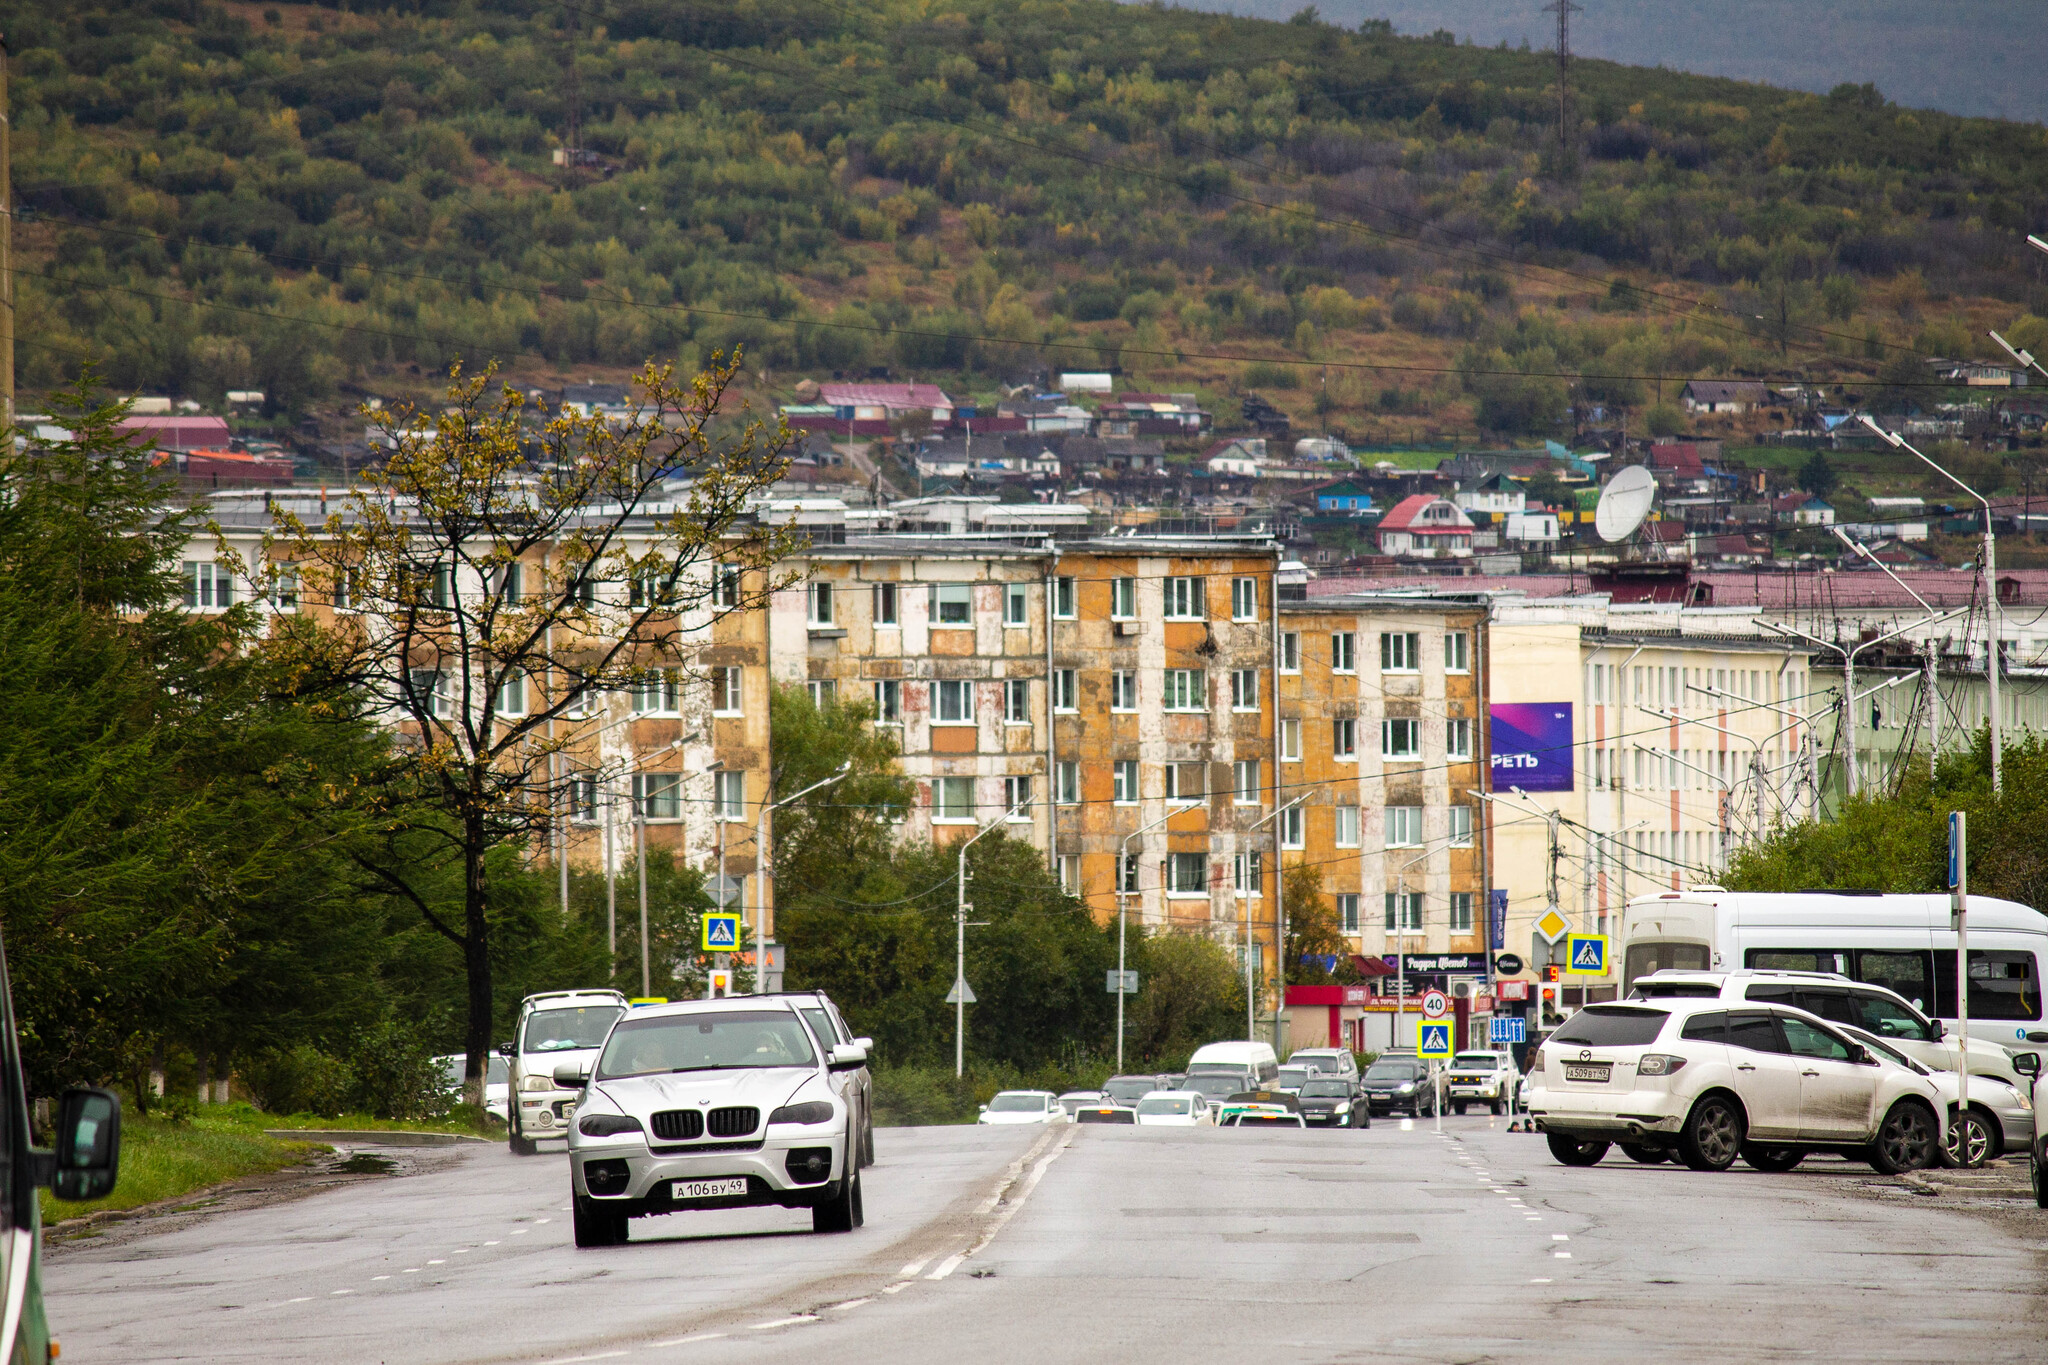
(1390, 1100)
(1473, 1092)
(1625, 1116)
(547, 1114)
(1326, 1120)
(2018, 1126)
(763, 1162)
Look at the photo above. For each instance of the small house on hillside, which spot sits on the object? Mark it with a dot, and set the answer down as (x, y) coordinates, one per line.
(1344, 497)
(1803, 509)
(1424, 526)
(1718, 397)
(1496, 495)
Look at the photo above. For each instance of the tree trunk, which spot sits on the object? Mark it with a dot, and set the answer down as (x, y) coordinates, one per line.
(476, 961)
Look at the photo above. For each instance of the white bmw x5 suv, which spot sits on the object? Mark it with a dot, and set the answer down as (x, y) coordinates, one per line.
(712, 1104)
(1710, 1083)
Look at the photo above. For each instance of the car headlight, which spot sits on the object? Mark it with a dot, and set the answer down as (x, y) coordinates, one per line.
(816, 1111)
(1407, 1087)
(536, 1082)
(1658, 1064)
(607, 1125)
(1344, 1106)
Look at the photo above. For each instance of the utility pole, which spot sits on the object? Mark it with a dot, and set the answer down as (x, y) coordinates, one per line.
(1563, 9)
(6, 247)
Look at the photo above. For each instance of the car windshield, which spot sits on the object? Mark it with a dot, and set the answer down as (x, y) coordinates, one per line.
(1129, 1089)
(726, 1040)
(1314, 1061)
(1072, 1103)
(1166, 1104)
(1475, 1061)
(1611, 1026)
(1291, 1075)
(1325, 1090)
(495, 1076)
(1017, 1102)
(566, 1030)
(1394, 1071)
(1215, 1087)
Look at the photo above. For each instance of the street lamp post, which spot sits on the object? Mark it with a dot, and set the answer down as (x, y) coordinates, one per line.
(1123, 859)
(1251, 1016)
(1849, 672)
(1993, 625)
(761, 866)
(960, 942)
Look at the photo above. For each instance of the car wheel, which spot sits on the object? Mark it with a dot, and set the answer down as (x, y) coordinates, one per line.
(1712, 1136)
(597, 1226)
(1573, 1152)
(521, 1145)
(1967, 1143)
(1493, 1107)
(1906, 1140)
(1648, 1156)
(843, 1211)
(2039, 1177)
(1458, 1107)
(1776, 1160)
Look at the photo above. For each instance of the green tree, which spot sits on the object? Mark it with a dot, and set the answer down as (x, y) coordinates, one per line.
(1816, 475)
(1314, 933)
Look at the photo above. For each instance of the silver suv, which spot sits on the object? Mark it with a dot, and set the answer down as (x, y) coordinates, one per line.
(859, 1083)
(554, 1027)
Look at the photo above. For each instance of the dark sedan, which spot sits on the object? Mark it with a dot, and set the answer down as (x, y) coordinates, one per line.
(1333, 1102)
(1399, 1083)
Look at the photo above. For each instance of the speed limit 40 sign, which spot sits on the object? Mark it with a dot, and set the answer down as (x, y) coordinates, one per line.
(1435, 1005)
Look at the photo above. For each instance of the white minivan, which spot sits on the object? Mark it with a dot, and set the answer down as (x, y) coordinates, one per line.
(1244, 1066)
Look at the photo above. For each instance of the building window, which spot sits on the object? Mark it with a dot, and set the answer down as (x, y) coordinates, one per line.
(1186, 689)
(1404, 827)
(1401, 738)
(1347, 910)
(1290, 741)
(1344, 739)
(953, 798)
(657, 692)
(952, 604)
(1123, 598)
(1186, 781)
(1404, 912)
(1457, 652)
(284, 590)
(208, 585)
(1184, 599)
(583, 800)
(347, 583)
(730, 795)
(725, 587)
(1461, 827)
(1070, 873)
(1188, 873)
(1123, 690)
(441, 586)
(658, 796)
(953, 701)
(1015, 606)
(1017, 797)
(1290, 651)
(429, 688)
(1244, 599)
(1245, 782)
(1124, 782)
(889, 702)
(1066, 689)
(1248, 874)
(509, 582)
(511, 698)
(1127, 874)
(1344, 652)
(1400, 653)
(820, 604)
(887, 605)
(1067, 783)
(1347, 826)
(1461, 912)
(654, 586)
(1291, 826)
(1017, 701)
(725, 691)
(1244, 689)
(824, 693)
(1063, 599)
(1457, 739)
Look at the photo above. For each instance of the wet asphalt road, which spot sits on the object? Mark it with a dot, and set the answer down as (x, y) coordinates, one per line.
(1099, 1244)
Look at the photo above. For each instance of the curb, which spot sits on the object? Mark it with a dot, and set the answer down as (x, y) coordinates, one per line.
(373, 1137)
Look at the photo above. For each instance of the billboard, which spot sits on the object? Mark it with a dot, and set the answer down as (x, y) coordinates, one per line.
(1532, 745)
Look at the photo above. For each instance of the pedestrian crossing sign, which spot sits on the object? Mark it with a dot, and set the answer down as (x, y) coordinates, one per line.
(1433, 1040)
(721, 933)
(1586, 955)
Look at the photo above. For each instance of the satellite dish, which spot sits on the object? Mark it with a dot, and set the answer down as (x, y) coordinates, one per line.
(1624, 502)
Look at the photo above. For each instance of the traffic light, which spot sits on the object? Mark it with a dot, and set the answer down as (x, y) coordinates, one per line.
(1548, 1015)
(1551, 973)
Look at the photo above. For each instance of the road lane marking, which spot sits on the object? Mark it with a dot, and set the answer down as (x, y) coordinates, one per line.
(305, 1299)
(909, 1272)
(332, 1292)
(685, 1341)
(851, 1304)
(437, 1263)
(490, 1244)
(410, 1270)
(1560, 1237)
(462, 1251)
(948, 1266)
(896, 1288)
(780, 1322)
(1562, 1255)
(520, 1232)
(574, 1360)
(1539, 1281)
(543, 1220)
(375, 1278)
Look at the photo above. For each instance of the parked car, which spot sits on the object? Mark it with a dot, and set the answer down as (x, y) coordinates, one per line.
(1482, 1077)
(1175, 1109)
(1217, 1086)
(2029, 1066)
(1263, 1116)
(1332, 1061)
(1023, 1106)
(555, 1028)
(1128, 1090)
(1247, 1100)
(2001, 1116)
(1108, 1111)
(497, 1081)
(1289, 1078)
(1333, 1102)
(1393, 1083)
(825, 1020)
(1253, 1063)
(1074, 1100)
(1711, 1083)
(712, 1104)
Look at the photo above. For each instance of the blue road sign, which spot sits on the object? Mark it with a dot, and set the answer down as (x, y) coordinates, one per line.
(1955, 849)
(1433, 1039)
(1586, 954)
(1508, 1030)
(721, 933)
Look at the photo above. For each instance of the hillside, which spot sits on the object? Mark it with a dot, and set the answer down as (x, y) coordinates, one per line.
(315, 202)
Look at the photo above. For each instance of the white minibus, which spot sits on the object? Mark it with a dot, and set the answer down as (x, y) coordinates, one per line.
(1903, 943)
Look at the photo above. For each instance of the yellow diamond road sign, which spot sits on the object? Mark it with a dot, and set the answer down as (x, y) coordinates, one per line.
(1552, 925)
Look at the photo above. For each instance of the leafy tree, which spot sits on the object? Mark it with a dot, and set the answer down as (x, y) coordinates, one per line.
(1190, 992)
(1816, 475)
(1314, 932)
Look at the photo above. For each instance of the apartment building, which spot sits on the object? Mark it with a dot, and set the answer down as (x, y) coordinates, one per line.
(1383, 761)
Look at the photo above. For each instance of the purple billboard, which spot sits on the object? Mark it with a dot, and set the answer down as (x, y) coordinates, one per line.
(1532, 745)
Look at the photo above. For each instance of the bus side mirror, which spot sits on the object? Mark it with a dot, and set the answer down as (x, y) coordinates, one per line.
(88, 1154)
(2027, 1064)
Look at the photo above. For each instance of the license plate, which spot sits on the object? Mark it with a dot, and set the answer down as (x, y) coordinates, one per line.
(1588, 1071)
(707, 1189)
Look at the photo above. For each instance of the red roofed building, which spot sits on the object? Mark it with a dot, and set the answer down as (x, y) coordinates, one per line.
(166, 432)
(1424, 526)
(893, 400)
(235, 466)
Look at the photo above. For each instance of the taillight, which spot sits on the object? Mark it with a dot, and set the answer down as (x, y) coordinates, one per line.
(1658, 1064)
(1536, 1060)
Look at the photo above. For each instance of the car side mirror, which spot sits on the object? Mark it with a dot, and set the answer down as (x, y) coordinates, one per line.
(504, 1049)
(2028, 1064)
(88, 1155)
(847, 1057)
(1860, 1055)
(864, 1044)
(572, 1075)
(1940, 1029)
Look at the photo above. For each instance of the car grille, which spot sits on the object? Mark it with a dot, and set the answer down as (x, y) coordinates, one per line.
(734, 1122)
(678, 1125)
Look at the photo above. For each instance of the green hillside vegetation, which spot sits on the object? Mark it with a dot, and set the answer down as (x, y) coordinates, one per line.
(305, 199)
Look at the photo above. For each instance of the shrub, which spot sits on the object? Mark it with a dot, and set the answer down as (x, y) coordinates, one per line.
(397, 1074)
(300, 1080)
(1262, 374)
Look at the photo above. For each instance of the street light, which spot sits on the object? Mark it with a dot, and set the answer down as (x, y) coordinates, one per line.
(1123, 859)
(1251, 1014)
(1933, 659)
(960, 942)
(1849, 671)
(1992, 624)
(761, 865)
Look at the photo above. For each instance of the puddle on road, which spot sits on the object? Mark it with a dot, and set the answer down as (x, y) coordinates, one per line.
(365, 1163)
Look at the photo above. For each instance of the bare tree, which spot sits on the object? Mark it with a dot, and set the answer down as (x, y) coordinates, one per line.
(498, 576)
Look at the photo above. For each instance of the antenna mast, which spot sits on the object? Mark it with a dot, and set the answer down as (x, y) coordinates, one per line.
(1563, 9)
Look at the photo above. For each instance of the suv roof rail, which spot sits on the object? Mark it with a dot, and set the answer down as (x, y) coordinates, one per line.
(570, 994)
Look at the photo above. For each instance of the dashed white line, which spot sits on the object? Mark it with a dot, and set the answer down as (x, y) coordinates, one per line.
(850, 1305)
(1560, 1237)
(685, 1341)
(333, 1292)
(543, 1220)
(375, 1278)
(437, 1263)
(896, 1288)
(1539, 1281)
(948, 1266)
(490, 1244)
(308, 1298)
(910, 1271)
(410, 1270)
(1562, 1255)
(575, 1360)
(783, 1322)
(520, 1232)
(462, 1251)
